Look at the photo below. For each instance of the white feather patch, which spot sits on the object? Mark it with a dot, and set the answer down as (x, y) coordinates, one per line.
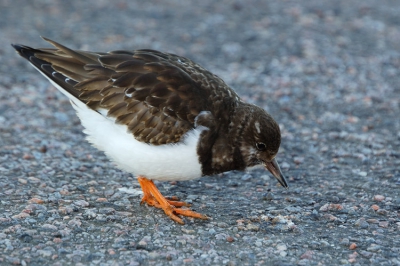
(257, 126)
(178, 161)
(169, 162)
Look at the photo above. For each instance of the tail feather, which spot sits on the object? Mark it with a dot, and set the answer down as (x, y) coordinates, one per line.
(62, 82)
(85, 58)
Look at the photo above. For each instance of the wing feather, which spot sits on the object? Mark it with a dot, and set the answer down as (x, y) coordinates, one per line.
(156, 95)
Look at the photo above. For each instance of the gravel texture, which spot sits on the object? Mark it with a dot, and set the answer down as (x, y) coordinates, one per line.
(328, 71)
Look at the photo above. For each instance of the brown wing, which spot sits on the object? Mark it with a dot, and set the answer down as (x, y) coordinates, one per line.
(157, 95)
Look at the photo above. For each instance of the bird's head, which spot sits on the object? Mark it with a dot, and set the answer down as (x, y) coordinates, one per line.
(260, 141)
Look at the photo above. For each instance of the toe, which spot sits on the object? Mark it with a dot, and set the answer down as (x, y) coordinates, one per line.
(190, 213)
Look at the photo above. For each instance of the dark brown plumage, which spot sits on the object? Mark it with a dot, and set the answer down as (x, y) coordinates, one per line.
(160, 98)
(137, 86)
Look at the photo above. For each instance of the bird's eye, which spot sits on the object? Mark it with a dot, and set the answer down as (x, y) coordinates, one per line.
(261, 146)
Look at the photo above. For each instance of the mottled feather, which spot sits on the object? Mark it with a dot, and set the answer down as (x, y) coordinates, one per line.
(157, 95)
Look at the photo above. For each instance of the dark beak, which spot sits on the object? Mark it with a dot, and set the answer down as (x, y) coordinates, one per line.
(275, 170)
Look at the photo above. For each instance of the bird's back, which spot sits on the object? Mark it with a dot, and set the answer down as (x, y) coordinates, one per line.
(156, 95)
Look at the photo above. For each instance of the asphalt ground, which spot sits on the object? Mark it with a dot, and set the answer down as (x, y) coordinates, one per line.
(328, 72)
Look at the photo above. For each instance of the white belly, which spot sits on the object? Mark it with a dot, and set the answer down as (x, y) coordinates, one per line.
(178, 161)
(170, 162)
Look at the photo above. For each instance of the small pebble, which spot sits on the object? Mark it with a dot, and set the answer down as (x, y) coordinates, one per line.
(345, 242)
(383, 224)
(27, 156)
(22, 181)
(331, 206)
(36, 200)
(43, 149)
(111, 252)
(101, 200)
(246, 177)
(353, 246)
(230, 239)
(298, 160)
(57, 240)
(21, 215)
(268, 196)
(81, 203)
(281, 247)
(252, 227)
(379, 198)
(375, 207)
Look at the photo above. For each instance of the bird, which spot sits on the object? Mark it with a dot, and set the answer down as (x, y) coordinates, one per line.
(160, 116)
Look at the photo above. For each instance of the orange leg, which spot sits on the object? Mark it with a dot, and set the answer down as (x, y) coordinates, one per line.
(153, 197)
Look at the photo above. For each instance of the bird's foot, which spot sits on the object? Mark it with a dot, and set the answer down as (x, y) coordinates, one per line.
(171, 207)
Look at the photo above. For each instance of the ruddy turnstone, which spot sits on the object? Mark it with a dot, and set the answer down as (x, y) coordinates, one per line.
(160, 116)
